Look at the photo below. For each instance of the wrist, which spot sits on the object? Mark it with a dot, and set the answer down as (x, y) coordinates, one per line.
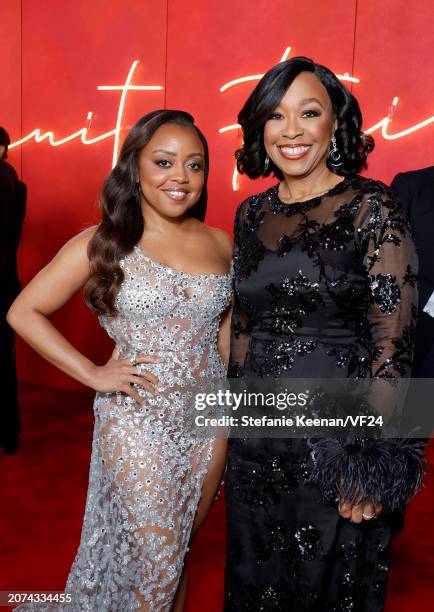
(88, 377)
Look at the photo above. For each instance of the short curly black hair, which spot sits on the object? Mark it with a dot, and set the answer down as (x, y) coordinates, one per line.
(352, 144)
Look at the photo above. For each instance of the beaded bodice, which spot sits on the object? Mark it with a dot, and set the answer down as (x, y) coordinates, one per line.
(169, 314)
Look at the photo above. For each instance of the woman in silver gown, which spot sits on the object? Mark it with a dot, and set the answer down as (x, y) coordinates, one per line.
(151, 482)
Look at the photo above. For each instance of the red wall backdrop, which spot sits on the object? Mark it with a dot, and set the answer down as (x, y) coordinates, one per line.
(54, 55)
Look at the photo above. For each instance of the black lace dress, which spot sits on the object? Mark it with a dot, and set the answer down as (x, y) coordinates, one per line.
(323, 288)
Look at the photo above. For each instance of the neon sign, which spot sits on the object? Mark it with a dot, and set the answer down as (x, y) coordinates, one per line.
(125, 89)
(38, 135)
(257, 77)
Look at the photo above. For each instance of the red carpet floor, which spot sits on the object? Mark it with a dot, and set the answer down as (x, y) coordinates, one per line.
(43, 491)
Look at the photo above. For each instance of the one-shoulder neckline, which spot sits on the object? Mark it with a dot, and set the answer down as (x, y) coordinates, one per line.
(174, 271)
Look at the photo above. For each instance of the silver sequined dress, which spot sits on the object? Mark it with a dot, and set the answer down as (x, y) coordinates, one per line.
(145, 473)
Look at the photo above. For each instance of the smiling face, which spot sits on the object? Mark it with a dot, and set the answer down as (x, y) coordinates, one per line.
(172, 170)
(297, 135)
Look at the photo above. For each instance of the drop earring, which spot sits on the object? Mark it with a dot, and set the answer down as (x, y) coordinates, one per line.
(266, 164)
(334, 154)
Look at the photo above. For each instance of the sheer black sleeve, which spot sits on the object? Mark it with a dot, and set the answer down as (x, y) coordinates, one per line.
(391, 264)
(389, 471)
(240, 334)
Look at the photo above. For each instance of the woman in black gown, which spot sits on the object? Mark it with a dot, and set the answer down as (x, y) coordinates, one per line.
(324, 286)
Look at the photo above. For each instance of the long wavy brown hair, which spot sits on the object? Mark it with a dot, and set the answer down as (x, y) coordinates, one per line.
(122, 222)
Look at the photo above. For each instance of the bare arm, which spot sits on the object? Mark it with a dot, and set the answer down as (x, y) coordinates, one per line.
(224, 335)
(48, 292)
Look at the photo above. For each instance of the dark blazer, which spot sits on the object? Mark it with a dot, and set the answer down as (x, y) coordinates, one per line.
(415, 191)
(13, 195)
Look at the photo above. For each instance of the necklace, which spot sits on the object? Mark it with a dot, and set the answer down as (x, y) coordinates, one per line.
(311, 195)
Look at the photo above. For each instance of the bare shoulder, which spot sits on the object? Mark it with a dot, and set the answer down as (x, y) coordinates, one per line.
(222, 240)
(80, 241)
(74, 252)
(84, 237)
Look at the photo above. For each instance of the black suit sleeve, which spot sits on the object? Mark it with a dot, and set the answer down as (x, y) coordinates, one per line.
(7, 201)
(401, 188)
(17, 217)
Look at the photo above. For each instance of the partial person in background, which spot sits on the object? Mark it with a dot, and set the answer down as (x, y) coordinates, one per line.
(13, 195)
(415, 191)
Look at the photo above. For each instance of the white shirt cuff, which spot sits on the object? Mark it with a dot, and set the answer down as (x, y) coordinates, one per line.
(429, 307)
